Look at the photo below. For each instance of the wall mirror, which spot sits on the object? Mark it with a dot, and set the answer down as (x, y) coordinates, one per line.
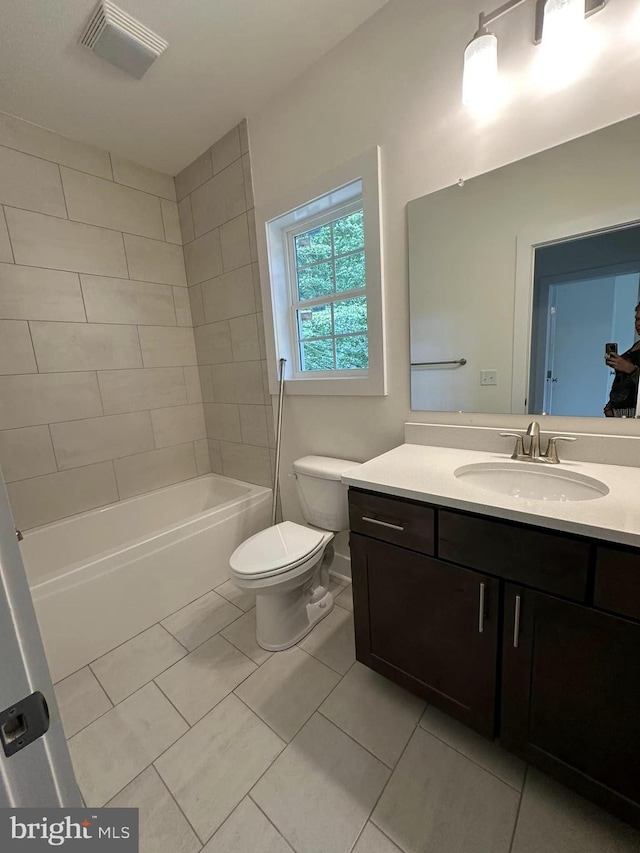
(519, 278)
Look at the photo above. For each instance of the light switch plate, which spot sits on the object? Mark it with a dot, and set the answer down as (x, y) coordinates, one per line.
(488, 377)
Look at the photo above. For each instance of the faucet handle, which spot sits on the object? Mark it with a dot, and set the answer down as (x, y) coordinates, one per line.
(552, 450)
(518, 451)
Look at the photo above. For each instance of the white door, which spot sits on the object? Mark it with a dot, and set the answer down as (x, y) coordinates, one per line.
(38, 773)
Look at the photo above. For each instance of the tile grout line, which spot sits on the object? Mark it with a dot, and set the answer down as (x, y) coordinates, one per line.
(6, 225)
(267, 818)
(177, 803)
(517, 818)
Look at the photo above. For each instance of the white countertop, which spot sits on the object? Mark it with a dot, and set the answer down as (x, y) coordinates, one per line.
(425, 473)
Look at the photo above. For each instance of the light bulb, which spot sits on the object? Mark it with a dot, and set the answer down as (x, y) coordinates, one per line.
(563, 22)
(480, 78)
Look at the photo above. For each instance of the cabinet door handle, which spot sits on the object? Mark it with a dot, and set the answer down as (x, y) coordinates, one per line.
(383, 523)
(481, 611)
(516, 623)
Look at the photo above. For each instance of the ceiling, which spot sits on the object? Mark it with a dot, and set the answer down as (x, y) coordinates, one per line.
(225, 58)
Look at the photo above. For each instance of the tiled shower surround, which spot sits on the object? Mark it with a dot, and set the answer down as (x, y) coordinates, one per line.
(215, 204)
(100, 389)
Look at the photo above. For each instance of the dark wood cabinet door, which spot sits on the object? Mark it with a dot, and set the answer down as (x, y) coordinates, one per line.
(571, 696)
(429, 626)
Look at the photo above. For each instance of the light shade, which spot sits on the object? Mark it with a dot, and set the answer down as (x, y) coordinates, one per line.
(480, 76)
(563, 21)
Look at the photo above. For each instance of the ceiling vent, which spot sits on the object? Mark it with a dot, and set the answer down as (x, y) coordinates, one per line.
(121, 40)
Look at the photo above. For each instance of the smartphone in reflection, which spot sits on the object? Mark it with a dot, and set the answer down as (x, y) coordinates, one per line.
(610, 349)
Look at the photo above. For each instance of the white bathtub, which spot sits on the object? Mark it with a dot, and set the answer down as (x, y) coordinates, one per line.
(99, 578)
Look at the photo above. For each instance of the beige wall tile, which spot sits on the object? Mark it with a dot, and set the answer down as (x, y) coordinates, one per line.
(225, 150)
(163, 346)
(248, 180)
(31, 139)
(185, 217)
(30, 293)
(234, 243)
(261, 342)
(136, 390)
(26, 453)
(240, 382)
(178, 424)
(182, 306)
(88, 346)
(253, 424)
(109, 205)
(244, 338)
(192, 382)
(215, 456)
(203, 462)
(6, 254)
(45, 241)
(170, 221)
(151, 260)
(30, 183)
(213, 343)
(257, 289)
(223, 421)
(218, 200)
(203, 258)
(119, 300)
(53, 496)
(229, 295)
(78, 443)
(251, 224)
(244, 462)
(16, 352)
(195, 301)
(243, 129)
(155, 469)
(42, 399)
(195, 174)
(133, 175)
(206, 385)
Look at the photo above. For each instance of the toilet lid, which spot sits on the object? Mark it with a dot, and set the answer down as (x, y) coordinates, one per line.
(279, 547)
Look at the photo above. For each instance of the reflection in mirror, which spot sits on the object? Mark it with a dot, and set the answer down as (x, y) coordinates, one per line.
(520, 277)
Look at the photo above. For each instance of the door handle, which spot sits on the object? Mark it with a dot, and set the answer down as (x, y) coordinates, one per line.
(383, 523)
(481, 610)
(516, 623)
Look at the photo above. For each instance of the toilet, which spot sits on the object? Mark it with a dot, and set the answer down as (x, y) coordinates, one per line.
(287, 565)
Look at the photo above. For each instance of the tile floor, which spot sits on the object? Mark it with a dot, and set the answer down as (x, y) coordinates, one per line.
(226, 748)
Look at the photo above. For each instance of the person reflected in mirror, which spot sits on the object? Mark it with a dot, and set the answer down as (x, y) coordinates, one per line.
(623, 399)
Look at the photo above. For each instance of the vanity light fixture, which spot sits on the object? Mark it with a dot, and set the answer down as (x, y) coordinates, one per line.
(556, 23)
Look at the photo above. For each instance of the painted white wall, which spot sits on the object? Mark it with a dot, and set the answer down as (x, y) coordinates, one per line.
(396, 82)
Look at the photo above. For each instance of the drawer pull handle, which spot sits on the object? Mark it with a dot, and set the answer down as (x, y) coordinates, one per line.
(481, 611)
(383, 523)
(516, 623)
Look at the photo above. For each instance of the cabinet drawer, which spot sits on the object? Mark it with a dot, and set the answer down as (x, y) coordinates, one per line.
(618, 581)
(548, 561)
(392, 520)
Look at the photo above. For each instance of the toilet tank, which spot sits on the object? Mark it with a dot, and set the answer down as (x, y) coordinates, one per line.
(322, 495)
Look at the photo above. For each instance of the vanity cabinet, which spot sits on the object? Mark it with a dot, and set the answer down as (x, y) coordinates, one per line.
(522, 633)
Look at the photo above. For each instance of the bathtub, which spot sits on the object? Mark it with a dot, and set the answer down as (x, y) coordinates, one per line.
(101, 577)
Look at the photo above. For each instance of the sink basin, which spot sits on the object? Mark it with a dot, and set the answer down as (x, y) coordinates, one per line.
(531, 481)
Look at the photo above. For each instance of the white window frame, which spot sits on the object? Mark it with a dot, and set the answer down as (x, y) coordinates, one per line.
(352, 186)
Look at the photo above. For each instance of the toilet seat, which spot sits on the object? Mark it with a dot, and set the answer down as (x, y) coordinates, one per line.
(276, 550)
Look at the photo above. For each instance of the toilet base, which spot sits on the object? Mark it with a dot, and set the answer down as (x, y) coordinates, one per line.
(281, 622)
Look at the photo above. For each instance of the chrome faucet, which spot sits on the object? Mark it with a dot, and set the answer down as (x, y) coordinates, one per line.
(533, 454)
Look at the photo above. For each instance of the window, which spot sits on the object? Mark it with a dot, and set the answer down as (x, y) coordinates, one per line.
(323, 257)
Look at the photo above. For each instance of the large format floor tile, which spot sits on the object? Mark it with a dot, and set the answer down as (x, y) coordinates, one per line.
(244, 600)
(115, 748)
(201, 619)
(215, 764)
(247, 830)
(332, 641)
(374, 711)
(320, 791)
(242, 633)
(437, 800)
(134, 663)
(344, 598)
(163, 827)
(555, 820)
(81, 700)
(202, 679)
(287, 689)
(374, 841)
(487, 754)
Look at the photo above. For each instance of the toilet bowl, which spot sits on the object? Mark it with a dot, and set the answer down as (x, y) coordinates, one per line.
(287, 565)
